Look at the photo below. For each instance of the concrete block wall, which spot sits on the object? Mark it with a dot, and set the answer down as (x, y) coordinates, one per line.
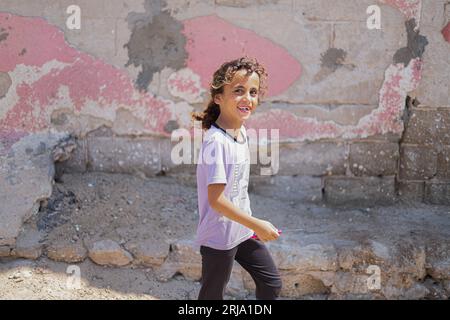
(337, 90)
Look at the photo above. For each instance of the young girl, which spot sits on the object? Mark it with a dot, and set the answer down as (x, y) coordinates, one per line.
(226, 224)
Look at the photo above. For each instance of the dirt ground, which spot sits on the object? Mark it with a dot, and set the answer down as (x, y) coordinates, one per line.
(128, 208)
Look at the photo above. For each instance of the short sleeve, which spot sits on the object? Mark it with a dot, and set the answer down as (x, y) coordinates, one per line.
(214, 162)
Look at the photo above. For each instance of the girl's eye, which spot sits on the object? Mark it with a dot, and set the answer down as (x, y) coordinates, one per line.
(241, 91)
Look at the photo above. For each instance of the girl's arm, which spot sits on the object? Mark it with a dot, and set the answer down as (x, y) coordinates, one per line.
(217, 200)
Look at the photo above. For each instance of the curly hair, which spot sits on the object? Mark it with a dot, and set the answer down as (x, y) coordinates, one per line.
(224, 75)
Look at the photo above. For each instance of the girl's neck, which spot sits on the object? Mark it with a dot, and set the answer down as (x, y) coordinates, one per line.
(227, 125)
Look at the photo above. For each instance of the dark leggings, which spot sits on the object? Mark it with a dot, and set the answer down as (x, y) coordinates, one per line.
(253, 256)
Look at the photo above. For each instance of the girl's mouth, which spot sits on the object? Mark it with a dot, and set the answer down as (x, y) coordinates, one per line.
(244, 110)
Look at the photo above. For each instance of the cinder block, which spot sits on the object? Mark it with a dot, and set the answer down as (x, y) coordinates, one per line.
(125, 155)
(411, 190)
(373, 159)
(359, 190)
(289, 188)
(437, 193)
(309, 159)
(417, 162)
(429, 127)
(78, 160)
(443, 163)
(340, 114)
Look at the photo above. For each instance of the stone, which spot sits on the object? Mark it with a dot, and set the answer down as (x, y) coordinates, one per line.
(363, 190)
(348, 282)
(427, 126)
(149, 252)
(443, 163)
(417, 162)
(437, 193)
(311, 257)
(373, 159)
(109, 252)
(26, 178)
(28, 244)
(291, 188)
(296, 284)
(438, 260)
(183, 258)
(412, 191)
(5, 251)
(67, 252)
(125, 155)
(301, 159)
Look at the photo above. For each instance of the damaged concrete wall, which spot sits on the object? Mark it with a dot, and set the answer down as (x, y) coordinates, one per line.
(135, 70)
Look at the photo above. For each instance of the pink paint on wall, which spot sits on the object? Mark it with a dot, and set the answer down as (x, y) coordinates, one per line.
(386, 118)
(41, 40)
(212, 41)
(290, 126)
(186, 85)
(87, 79)
(410, 8)
(446, 32)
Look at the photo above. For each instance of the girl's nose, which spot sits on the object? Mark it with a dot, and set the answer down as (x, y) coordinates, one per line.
(248, 97)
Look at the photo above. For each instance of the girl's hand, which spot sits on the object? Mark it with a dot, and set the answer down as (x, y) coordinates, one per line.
(266, 231)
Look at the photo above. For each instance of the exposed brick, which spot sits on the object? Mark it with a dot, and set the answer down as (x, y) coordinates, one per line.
(78, 160)
(417, 163)
(409, 190)
(313, 159)
(437, 193)
(125, 155)
(443, 163)
(359, 190)
(429, 127)
(373, 159)
(289, 188)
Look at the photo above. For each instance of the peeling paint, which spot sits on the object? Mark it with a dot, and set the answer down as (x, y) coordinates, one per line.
(385, 119)
(5, 83)
(415, 46)
(156, 42)
(90, 85)
(4, 36)
(212, 40)
(331, 60)
(186, 84)
(411, 9)
(446, 32)
(63, 77)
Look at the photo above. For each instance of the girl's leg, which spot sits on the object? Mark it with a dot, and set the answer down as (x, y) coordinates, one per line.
(254, 257)
(216, 271)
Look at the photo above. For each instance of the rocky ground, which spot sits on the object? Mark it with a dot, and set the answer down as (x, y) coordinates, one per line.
(131, 238)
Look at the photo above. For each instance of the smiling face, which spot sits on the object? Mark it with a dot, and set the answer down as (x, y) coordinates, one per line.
(239, 99)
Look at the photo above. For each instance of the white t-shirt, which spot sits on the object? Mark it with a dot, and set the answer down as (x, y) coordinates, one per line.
(223, 160)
